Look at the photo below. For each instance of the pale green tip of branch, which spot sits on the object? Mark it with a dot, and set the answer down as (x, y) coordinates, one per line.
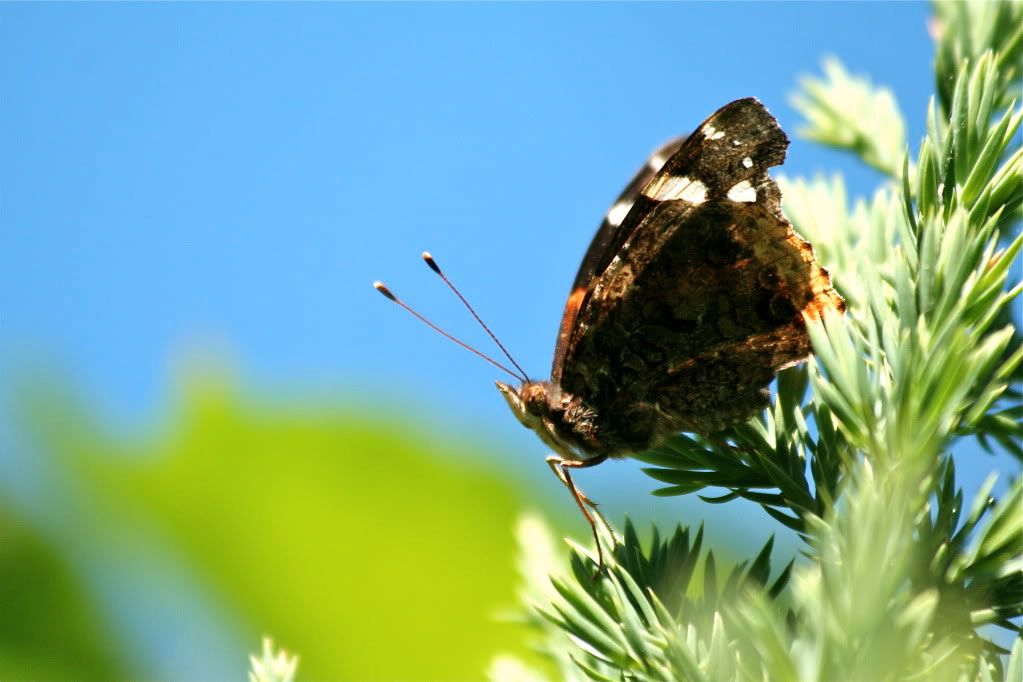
(538, 555)
(848, 112)
(272, 666)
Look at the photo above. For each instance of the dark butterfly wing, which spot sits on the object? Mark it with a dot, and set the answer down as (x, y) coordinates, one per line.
(700, 151)
(604, 244)
(700, 294)
(600, 251)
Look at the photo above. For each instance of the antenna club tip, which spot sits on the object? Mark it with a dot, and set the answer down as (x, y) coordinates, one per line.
(379, 286)
(431, 262)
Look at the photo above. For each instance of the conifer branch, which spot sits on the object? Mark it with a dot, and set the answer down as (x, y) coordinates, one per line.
(856, 453)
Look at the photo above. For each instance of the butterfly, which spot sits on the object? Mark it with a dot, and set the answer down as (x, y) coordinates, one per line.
(694, 292)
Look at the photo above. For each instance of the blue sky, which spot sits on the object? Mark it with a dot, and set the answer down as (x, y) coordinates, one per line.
(189, 176)
(230, 178)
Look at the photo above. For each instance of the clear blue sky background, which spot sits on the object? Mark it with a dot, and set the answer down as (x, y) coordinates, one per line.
(180, 177)
(186, 177)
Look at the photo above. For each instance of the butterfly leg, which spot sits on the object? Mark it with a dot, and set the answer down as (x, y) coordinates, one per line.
(560, 468)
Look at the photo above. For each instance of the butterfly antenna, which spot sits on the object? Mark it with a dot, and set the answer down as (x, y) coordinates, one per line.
(436, 268)
(379, 286)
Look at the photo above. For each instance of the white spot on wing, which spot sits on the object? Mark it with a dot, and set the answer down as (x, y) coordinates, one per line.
(695, 192)
(713, 133)
(742, 192)
(747, 162)
(670, 187)
(618, 212)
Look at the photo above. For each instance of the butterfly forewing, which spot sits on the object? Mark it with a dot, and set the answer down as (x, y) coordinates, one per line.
(684, 310)
(606, 242)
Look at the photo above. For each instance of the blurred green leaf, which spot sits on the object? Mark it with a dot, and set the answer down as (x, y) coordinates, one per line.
(49, 629)
(376, 552)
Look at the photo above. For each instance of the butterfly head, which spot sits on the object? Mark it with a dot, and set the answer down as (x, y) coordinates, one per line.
(528, 402)
(533, 406)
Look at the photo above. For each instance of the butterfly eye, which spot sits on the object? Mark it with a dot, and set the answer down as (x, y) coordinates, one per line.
(534, 397)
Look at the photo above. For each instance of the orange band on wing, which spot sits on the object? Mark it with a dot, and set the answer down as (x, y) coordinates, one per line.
(572, 307)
